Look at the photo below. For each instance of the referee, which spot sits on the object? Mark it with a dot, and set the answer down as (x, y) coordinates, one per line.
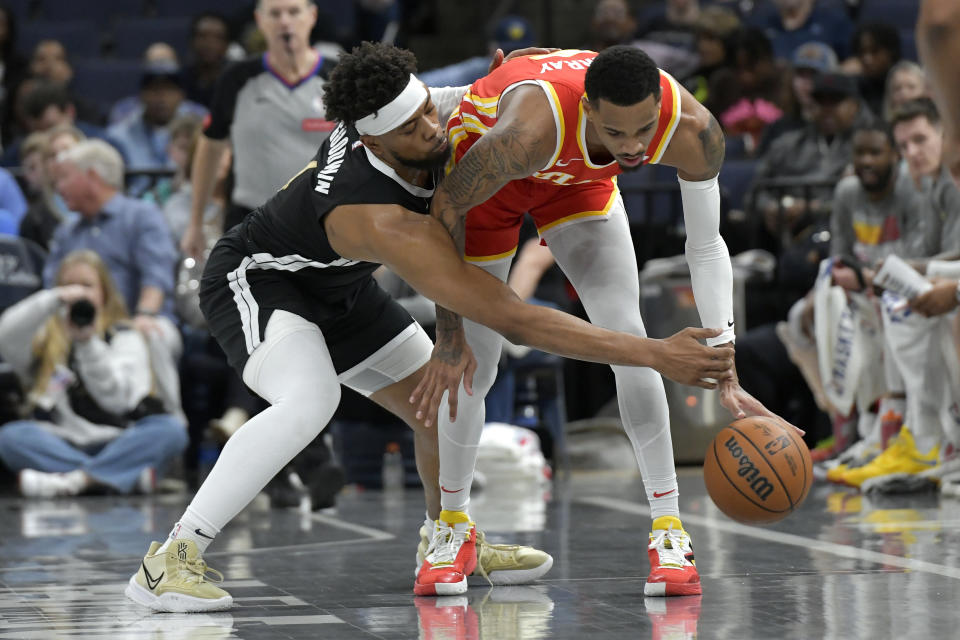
(269, 108)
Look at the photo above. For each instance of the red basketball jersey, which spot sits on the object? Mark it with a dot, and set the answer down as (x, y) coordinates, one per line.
(560, 75)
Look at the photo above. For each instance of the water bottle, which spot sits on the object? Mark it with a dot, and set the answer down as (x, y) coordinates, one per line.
(392, 468)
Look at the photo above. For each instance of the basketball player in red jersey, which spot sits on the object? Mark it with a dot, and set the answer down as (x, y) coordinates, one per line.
(548, 135)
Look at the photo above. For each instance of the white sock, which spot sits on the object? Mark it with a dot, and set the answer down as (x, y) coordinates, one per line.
(192, 526)
(663, 496)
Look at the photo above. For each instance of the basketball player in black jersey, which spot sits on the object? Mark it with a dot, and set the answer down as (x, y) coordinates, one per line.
(289, 295)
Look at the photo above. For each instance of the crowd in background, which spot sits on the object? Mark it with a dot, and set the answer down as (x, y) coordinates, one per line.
(826, 93)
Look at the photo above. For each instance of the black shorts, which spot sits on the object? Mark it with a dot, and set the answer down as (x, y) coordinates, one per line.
(234, 215)
(355, 321)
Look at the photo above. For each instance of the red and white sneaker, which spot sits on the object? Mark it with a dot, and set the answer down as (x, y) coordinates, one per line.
(672, 568)
(451, 556)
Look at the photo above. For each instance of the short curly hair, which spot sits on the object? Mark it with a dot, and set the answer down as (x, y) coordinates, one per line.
(623, 75)
(367, 79)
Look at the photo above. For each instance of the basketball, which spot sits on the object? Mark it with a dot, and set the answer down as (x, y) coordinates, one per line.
(757, 471)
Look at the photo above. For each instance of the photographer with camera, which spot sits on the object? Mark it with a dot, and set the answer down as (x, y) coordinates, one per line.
(94, 419)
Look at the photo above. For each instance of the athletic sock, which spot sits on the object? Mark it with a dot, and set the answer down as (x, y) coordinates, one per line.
(192, 526)
(663, 495)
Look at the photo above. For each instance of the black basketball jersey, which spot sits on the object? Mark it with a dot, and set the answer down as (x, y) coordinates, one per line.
(287, 232)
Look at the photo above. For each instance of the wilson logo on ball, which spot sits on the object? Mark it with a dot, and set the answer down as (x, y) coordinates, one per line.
(759, 484)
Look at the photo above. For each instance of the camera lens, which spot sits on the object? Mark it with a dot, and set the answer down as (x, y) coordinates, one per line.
(82, 313)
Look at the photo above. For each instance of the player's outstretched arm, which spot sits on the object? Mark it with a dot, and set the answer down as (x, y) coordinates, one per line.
(697, 151)
(420, 251)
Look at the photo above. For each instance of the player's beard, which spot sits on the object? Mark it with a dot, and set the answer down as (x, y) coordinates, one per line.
(431, 162)
(884, 177)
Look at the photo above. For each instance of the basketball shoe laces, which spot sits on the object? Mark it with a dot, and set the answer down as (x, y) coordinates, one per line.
(195, 571)
(445, 545)
(672, 547)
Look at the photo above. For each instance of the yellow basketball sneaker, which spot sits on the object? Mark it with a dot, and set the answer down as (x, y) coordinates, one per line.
(835, 474)
(176, 581)
(857, 455)
(673, 571)
(901, 456)
(502, 564)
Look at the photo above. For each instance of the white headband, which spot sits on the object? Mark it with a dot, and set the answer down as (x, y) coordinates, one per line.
(396, 112)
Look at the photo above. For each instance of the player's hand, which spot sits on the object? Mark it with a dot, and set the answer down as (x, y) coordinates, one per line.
(193, 243)
(451, 360)
(743, 405)
(686, 360)
(499, 59)
(938, 300)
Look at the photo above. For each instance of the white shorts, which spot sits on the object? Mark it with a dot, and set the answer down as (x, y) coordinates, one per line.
(398, 358)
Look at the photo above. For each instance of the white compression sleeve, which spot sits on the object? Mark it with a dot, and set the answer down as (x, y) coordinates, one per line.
(710, 270)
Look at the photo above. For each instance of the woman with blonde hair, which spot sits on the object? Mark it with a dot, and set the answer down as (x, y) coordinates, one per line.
(95, 420)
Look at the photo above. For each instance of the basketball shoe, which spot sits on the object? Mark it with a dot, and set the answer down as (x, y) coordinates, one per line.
(672, 568)
(501, 564)
(451, 556)
(901, 456)
(176, 581)
(929, 479)
(855, 456)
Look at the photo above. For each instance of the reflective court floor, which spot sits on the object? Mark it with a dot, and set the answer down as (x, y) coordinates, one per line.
(844, 566)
